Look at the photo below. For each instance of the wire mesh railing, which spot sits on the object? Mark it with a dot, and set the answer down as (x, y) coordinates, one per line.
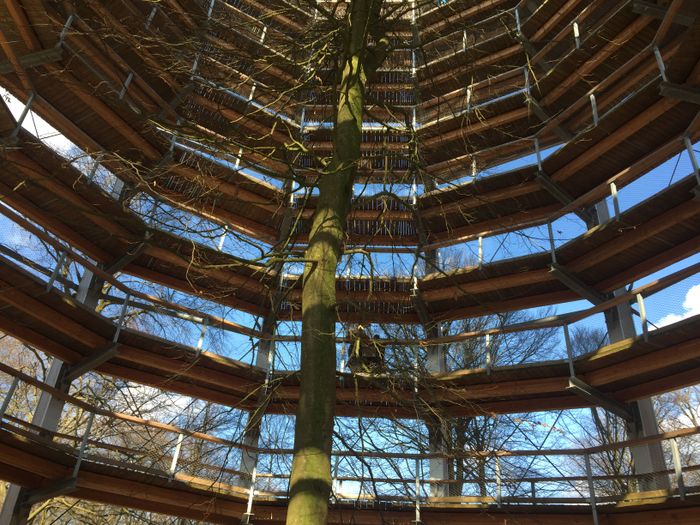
(576, 476)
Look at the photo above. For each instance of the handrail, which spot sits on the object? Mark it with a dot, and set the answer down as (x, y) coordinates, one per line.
(27, 430)
(167, 427)
(213, 321)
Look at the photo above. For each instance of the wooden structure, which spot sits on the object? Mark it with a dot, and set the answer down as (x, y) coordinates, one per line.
(613, 85)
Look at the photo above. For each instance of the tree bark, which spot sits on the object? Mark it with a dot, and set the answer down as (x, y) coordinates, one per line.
(310, 482)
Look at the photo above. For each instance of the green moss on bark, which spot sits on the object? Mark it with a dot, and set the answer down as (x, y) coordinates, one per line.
(310, 483)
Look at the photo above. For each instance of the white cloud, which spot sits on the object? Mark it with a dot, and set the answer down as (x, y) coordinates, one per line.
(691, 307)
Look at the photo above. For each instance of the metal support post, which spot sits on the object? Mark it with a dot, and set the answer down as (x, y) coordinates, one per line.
(247, 518)
(499, 487)
(266, 354)
(222, 239)
(643, 316)
(538, 154)
(594, 109)
(552, 247)
(83, 445)
(591, 489)
(693, 158)
(176, 456)
(436, 363)
(481, 251)
(577, 35)
(23, 115)
(569, 351)
(677, 468)
(616, 201)
(150, 17)
(660, 63)
(126, 84)
(648, 458)
(122, 315)
(337, 484)
(64, 31)
(526, 74)
(8, 397)
(93, 169)
(487, 351)
(417, 521)
(56, 270)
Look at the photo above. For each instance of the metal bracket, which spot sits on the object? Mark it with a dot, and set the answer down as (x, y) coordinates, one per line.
(587, 392)
(576, 284)
(127, 258)
(559, 193)
(644, 7)
(537, 109)
(58, 488)
(685, 93)
(30, 60)
(91, 362)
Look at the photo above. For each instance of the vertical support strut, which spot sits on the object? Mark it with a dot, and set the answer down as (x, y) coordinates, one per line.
(693, 158)
(481, 251)
(677, 468)
(266, 352)
(8, 397)
(83, 444)
(438, 428)
(569, 351)
(591, 489)
(594, 109)
(647, 458)
(577, 35)
(488, 356)
(23, 115)
(616, 201)
(247, 518)
(176, 456)
(552, 247)
(660, 63)
(643, 315)
(56, 270)
(499, 486)
(417, 521)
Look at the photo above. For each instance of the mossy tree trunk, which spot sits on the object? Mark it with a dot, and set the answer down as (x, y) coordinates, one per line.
(310, 482)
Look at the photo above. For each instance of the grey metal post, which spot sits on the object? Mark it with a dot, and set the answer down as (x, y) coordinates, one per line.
(251, 436)
(266, 347)
(693, 158)
(591, 489)
(569, 351)
(648, 458)
(417, 521)
(8, 397)
(83, 444)
(436, 364)
(678, 469)
(499, 484)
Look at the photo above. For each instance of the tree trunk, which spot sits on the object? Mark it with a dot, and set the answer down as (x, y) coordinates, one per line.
(310, 482)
